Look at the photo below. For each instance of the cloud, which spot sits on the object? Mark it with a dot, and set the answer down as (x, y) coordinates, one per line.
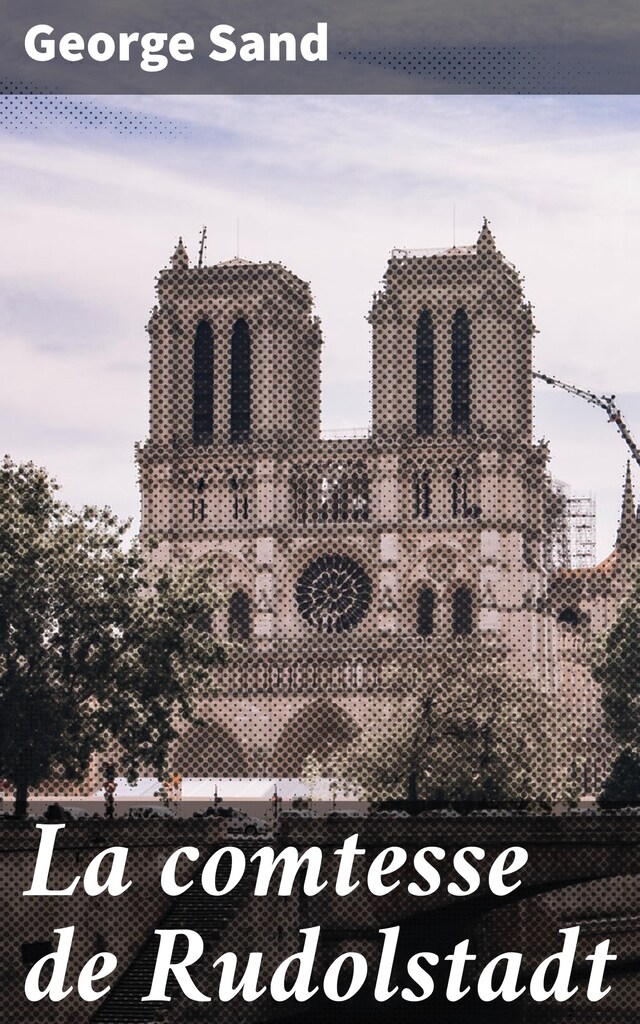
(327, 185)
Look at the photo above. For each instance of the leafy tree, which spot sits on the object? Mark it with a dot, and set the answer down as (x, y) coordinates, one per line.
(617, 669)
(622, 788)
(96, 645)
(483, 739)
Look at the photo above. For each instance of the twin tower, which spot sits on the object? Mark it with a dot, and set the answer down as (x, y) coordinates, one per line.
(352, 572)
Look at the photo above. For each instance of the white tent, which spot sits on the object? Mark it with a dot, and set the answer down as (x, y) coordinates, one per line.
(142, 789)
(231, 790)
(260, 789)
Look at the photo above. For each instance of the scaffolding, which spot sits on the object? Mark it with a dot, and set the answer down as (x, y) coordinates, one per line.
(581, 512)
(574, 540)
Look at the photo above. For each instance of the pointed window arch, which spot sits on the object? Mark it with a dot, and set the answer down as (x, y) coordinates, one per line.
(239, 616)
(462, 611)
(459, 494)
(424, 374)
(421, 494)
(460, 373)
(240, 381)
(203, 383)
(569, 617)
(426, 609)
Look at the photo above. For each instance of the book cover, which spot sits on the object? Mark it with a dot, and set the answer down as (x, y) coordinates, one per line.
(318, 530)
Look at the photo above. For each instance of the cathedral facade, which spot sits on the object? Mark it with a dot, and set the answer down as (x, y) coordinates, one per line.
(354, 572)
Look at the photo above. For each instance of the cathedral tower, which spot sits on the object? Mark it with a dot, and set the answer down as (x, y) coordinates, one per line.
(353, 572)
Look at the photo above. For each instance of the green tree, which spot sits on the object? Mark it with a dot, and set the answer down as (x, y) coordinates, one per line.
(480, 739)
(97, 647)
(617, 669)
(622, 788)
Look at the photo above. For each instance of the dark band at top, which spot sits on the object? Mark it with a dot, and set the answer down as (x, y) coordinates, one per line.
(324, 46)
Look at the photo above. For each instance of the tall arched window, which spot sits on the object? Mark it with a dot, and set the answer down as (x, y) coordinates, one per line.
(462, 611)
(569, 616)
(421, 494)
(239, 616)
(459, 496)
(240, 381)
(424, 374)
(460, 373)
(203, 383)
(299, 481)
(426, 608)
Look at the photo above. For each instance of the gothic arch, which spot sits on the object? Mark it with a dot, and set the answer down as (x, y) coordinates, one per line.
(239, 624)
(240, 425)
(421, 488)
(330, 492)
(437, 565)
(424, 374)
(229, 573)
(459, 493)
(462, 610)
(203, 383)
(464, 487)
(460, 372)
(316, 732)
(425, 612)
(569, 616)
(210, 750)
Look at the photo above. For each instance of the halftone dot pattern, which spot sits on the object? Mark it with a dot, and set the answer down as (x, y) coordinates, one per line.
(31, 111)
(394, 598)
(481, 69)
(390, 608)
(390, 612)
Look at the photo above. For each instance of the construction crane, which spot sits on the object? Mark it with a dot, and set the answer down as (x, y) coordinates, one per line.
(203, 246)
(606, 402)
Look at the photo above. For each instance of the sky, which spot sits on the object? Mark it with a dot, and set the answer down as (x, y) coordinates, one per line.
(95, 193)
